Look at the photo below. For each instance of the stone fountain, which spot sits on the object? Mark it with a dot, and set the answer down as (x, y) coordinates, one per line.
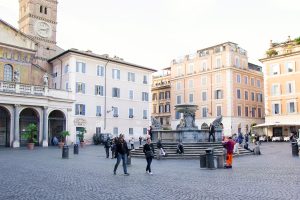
(186, 131)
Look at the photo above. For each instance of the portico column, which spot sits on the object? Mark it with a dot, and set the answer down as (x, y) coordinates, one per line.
(45, 126)
(16, 142)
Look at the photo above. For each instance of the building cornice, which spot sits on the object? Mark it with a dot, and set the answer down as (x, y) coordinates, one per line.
(280, 56)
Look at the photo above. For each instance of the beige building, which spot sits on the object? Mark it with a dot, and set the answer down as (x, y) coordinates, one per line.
(161, 97)
(220, 81)
(282, 88)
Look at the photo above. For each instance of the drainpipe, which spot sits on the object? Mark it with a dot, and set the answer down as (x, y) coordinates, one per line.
(60, 72)
(105, 94)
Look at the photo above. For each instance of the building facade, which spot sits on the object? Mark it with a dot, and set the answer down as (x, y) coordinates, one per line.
(220, 81)
(112, 96)
(281, 68)
(161, 97)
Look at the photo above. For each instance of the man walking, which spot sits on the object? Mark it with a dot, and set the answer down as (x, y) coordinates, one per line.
(121, 151)
(211, 132)
(107, 146)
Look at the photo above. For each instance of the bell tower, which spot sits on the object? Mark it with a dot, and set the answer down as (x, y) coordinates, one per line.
(38, 19)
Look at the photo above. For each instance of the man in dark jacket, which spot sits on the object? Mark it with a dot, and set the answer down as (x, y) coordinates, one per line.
(121, 151)
(211, 132)
(107, 146)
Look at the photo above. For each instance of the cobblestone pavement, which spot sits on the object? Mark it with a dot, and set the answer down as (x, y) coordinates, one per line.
(43, 174)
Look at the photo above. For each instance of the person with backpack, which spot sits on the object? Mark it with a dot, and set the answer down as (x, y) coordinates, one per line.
(107, 146)
(148, 150)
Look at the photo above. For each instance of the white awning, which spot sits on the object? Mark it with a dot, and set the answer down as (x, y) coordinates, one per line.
(277, 124)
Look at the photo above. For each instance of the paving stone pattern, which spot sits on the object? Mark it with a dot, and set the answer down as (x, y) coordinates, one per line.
(43, 174)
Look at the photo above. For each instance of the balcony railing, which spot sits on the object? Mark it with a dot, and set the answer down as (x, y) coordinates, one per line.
(36, 90)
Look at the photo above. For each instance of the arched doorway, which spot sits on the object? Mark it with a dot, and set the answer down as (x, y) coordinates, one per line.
(27, 116)
(4, 127)
(57, 124)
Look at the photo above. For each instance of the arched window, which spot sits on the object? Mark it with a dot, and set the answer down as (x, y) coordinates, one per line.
(8, 74)
(46, 10)
(41, 9)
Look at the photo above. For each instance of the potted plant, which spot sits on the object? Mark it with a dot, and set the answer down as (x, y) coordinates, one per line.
(297, 40)
(63, 136)
(30, 135)
(80, 135)
(271, 53)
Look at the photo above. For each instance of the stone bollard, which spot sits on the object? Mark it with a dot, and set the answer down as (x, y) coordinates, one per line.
(295, 149)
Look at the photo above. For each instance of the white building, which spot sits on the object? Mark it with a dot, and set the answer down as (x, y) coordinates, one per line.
(112, 96)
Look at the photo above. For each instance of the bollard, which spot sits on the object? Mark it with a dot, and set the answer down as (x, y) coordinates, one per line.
(295, 149)
(65, 152)
(129, 157)
(210, 164)
(76, 149)
(220, 161)
(202, 160)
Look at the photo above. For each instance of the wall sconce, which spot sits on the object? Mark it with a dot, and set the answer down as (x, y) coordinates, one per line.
(112, 109)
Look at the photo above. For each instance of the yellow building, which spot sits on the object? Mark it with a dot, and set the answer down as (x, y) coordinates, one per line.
(220, 81)
(282, 88)
(161, 97)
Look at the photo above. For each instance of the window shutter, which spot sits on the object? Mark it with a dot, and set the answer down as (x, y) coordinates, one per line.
(76, 87)
(83, 88)
(128, 76)
(77, 66)
(76, 109)
(83, 109)
(102, 71)
(133, 78)
(83, 67)
(96, 89)
(118, 73)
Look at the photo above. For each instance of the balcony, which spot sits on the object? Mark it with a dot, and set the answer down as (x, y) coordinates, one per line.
(34, 90)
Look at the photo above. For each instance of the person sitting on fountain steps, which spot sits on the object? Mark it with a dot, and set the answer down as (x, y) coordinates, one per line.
(180, 148)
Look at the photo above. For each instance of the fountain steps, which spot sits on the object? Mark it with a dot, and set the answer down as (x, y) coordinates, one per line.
(191, 150)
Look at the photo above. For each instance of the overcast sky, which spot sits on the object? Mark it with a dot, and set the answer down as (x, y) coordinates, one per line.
(153, 32)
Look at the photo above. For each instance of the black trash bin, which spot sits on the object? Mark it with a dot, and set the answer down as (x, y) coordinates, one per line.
(65, 152)
(129, 157)
(76, 149)
(295, 149)
(210, 164)
(202, 160)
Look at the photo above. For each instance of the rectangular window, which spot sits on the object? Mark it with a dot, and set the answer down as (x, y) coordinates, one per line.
(204, 96)
(167, 94)
(145, 79)
(219, 110)
(191, 98)
(80, 67)
(289, 67)
(130, 96)
(98, 111)
(130, 112)
(79, 109)
(291, 107)
(191, 68)
(239, 111)
(258, 83)
(275, 108)
(252, 96)
(177, 115)
(154, 97)
(167, 108)
(218, 94)
(178, 85)
(218, 63)
(246, 95)
(161, 95)
(275, 69)
(238, 93)
(238, 78)
(145, 114)
(145, 96)
(131, 76)
(203, 80)
(145, 131)
(116, 92)
(116, 131)
(66, 70)
(116, 74)
(67, 86)
(100, 70)
(80, 87)
(115, 112)
(130, 130)
(259, 112)
(290, 87)
(246, 112)
(252, 82)
(161, 108)
(191, 83)
(178, 98)
(259, 97)
(218, 78)
(275, 90)
(246, 80)
(99, 90)
(98, 130)
(179, 71)
(204, 111)
(253, 111)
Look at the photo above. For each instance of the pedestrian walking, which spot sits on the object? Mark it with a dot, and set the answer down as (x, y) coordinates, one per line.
(121, 151)
(107, 146)
(148, 150)
(229, 147)
(132, 143)
(140, 139)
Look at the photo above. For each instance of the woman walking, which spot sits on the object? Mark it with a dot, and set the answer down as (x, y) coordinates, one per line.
(149, 154)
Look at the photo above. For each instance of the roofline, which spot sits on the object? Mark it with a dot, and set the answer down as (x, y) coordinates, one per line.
(279, 56)
(100, 57)
(216, 45)
(17, 30)
(16, 47)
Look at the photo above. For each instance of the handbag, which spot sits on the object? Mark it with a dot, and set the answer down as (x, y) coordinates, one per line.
(149, 154)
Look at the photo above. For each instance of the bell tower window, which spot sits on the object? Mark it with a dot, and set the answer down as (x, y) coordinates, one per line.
(41, 9)
(46, 10)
